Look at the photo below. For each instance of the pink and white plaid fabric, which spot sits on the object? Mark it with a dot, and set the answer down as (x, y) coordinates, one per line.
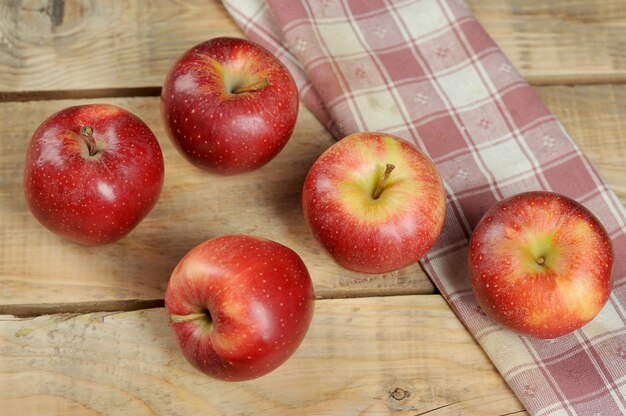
(427, 71)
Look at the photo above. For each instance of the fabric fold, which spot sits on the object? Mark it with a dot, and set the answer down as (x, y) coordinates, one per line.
(427, 71)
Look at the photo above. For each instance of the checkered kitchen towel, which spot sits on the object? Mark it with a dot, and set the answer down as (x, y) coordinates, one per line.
(426, 71)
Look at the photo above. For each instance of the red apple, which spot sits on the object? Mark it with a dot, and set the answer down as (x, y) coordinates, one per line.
(374, 202)
(239, 306)
(92, 173)
(540, 264)
(229, 105)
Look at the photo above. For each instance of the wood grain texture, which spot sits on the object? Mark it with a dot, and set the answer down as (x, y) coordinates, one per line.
(358, 354)
(594, 116)
(85, 45)
(37, 267)
(559, 41)
(86, 48)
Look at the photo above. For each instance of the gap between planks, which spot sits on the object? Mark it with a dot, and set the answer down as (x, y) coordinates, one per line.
(21, 96)
(39, 309)
(155, 91)
(30, 310)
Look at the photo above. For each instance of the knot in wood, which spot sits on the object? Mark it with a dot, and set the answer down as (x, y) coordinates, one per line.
(399, 393)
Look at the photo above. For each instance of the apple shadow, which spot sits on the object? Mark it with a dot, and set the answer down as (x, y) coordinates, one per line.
(283, 196)
(151, 257)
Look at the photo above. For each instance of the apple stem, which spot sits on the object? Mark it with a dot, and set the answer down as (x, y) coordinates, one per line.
(86, 132)
(253, 87)
(381, 183)
(541, 261)
(184, 318)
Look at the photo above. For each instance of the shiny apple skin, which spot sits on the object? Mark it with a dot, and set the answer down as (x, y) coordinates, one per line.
(93, 200)
(374, 235)
(545, 301)
(260, 299)
(222, 132)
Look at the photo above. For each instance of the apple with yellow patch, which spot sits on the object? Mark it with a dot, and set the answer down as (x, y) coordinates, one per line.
(374, 202)
(229, 105)
(540, 264)
(239, 306)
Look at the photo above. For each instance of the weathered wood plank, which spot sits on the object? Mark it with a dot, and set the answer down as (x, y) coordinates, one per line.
(84, 45)
(559, 41)
(86, 48)
(594, 116)
(357, 352)
(36, 267)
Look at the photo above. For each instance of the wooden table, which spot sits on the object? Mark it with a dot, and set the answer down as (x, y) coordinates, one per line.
(83, 331)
